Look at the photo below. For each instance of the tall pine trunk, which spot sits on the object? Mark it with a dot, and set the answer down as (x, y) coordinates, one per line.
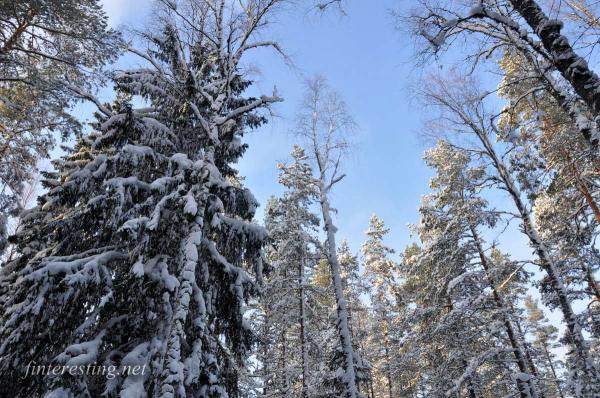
(590, 385)
(526, 387)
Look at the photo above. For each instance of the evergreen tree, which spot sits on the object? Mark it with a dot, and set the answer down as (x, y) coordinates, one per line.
(460, 101)
(292, 227)
(143, 251)
(457, 286)
(566, 212)
(355, 289)
(545, 340)
(328, 352)
(50, 53)
(380, 272)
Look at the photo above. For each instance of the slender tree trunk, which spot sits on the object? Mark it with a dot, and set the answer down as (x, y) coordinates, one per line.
(582, 187)
(586, 364)
(526, 348)
(584, 125)
(571, 66)
(283, 361)
(386, 345)
(526, 388)
(265, 364)
(303, 346)
(591, 281)
(342, 310)
(14, 37)
(552, 369)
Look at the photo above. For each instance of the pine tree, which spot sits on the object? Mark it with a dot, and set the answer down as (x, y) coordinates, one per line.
(50, 54)
(459, 289)
(460, 101)
(573, 68)
(565, 209)
(143, 251)
(355, 288)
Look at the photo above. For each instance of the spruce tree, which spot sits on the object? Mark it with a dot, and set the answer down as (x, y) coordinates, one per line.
(143, 251)
(292, 227)
(380, 272)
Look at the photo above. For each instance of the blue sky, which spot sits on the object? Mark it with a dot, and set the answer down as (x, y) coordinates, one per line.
(368, 61)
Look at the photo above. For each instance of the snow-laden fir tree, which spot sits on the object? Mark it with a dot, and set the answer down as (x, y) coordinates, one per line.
(287, 300)
(50, 53)
(143, 251)
(380, 274)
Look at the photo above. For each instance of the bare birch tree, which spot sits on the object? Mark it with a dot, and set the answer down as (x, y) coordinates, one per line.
(324, 123)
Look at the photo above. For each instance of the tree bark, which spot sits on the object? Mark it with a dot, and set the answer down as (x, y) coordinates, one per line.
(388, 373)
(14, 37)
(571, 66)
(265, 362)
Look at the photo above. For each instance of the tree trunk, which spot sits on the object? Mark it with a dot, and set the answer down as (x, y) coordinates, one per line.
(265, 364)
(551, 364)
(526, 347)
(12, 40)
(526, 388)
(303, 347)
(591, 378)
(585, 126)
(571, 66)
(342, 311)
(283, 362)
(386, 345)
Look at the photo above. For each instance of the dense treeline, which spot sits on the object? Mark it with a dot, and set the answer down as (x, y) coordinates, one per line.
(144, 249)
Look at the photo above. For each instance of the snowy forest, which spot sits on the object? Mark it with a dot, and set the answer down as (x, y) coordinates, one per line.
(137, 261)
